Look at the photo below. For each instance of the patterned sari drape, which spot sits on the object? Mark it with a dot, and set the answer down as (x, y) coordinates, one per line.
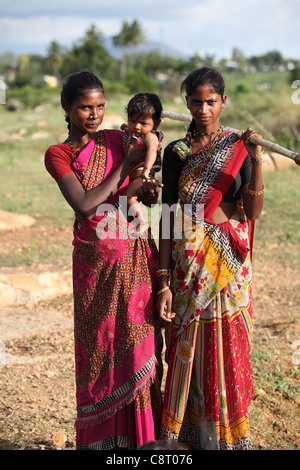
(117, 384)
(209, 375)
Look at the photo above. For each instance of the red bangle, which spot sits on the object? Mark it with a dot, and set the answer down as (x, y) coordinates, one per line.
(256, 193)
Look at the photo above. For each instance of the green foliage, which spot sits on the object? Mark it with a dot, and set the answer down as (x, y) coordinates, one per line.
(89, 54)
(31, 96)
(137, 81)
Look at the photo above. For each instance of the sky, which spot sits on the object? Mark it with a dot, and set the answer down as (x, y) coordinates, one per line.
(206, 27)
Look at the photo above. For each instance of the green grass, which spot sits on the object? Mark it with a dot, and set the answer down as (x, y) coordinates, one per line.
(277, 230)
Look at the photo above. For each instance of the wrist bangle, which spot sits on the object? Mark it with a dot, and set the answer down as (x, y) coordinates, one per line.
(163, 290)
(163, 272)
(256, 193)
(254, 157)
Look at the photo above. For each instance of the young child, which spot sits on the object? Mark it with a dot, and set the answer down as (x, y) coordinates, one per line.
(144, 116)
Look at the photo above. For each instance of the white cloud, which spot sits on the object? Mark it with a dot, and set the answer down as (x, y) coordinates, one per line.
(213, 27)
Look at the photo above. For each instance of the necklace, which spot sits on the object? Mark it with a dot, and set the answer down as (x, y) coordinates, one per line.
(75, 157)
(207, 154)
(195, 133)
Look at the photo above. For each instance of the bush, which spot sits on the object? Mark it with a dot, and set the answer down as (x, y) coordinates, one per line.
(137, 81)
(31, 96)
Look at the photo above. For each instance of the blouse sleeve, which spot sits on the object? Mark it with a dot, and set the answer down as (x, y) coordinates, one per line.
(58, 161)
(171, 167)
(246, 170)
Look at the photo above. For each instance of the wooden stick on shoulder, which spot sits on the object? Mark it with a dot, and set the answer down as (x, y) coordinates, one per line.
(273, 147)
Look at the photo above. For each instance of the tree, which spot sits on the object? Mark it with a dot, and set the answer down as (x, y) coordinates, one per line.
(130, 36)
(137, 81)
(54, 59)
(90, 54)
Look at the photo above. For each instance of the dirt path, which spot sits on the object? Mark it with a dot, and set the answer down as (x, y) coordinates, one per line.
(37, 392)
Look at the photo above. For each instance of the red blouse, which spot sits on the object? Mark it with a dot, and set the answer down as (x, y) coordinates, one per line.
(58, 160)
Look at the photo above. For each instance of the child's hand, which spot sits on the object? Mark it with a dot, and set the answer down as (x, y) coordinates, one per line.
(124, 127)
(145, 174)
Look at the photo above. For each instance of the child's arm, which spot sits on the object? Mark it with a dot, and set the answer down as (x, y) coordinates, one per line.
(151, 142)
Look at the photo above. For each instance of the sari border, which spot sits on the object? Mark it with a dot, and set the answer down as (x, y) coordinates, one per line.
(96, 415)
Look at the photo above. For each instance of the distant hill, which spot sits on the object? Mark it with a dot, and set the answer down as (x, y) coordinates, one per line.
(149, 46)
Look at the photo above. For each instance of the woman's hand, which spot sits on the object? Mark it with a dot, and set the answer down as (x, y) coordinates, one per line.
(254, 150)
(149, 191)
(135, 157)
(164, 305)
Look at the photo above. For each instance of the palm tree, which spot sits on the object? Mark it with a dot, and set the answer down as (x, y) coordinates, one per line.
(93, 34)
(54, 59)
(131, 35)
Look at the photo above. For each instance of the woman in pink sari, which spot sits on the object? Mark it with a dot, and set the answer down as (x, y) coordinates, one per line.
(115, 318)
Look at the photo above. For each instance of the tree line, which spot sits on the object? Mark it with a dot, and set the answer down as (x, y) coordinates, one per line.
(135, 71)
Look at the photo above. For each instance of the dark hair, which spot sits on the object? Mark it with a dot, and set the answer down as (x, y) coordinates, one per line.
(78, 84)
(145, 104)
(204, 76)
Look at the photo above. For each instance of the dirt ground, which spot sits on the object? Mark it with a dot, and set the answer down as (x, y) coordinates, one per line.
(37, 392)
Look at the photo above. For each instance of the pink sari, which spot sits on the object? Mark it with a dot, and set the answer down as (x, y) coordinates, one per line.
(117, 379)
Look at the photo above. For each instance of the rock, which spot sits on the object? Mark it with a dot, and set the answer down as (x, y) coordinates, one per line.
(14, 105)
(273, 161)
(59, 439)
(39, 135)
(10, 221)
(297, 399)
(23, 285)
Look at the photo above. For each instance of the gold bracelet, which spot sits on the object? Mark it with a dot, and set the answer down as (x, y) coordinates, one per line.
(256, 193)
(164, 289)
(163, 272)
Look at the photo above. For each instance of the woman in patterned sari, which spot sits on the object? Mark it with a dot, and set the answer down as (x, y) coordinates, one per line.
(205, 272)
(115, 316)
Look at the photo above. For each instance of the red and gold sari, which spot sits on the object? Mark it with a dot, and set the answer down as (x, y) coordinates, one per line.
(117, 384)
(209, 371)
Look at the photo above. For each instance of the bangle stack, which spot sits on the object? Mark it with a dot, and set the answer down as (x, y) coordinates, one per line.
(164, 272)
(256, 193)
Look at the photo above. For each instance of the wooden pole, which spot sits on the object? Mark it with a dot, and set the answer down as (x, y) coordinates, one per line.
(255, 140)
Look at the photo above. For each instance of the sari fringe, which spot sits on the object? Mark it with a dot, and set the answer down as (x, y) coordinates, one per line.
(84, 422)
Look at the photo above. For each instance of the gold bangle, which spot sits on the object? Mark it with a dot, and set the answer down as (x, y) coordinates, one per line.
(164, 289)
(256, 193)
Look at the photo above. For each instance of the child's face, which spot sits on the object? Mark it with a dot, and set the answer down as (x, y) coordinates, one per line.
(140, 125)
